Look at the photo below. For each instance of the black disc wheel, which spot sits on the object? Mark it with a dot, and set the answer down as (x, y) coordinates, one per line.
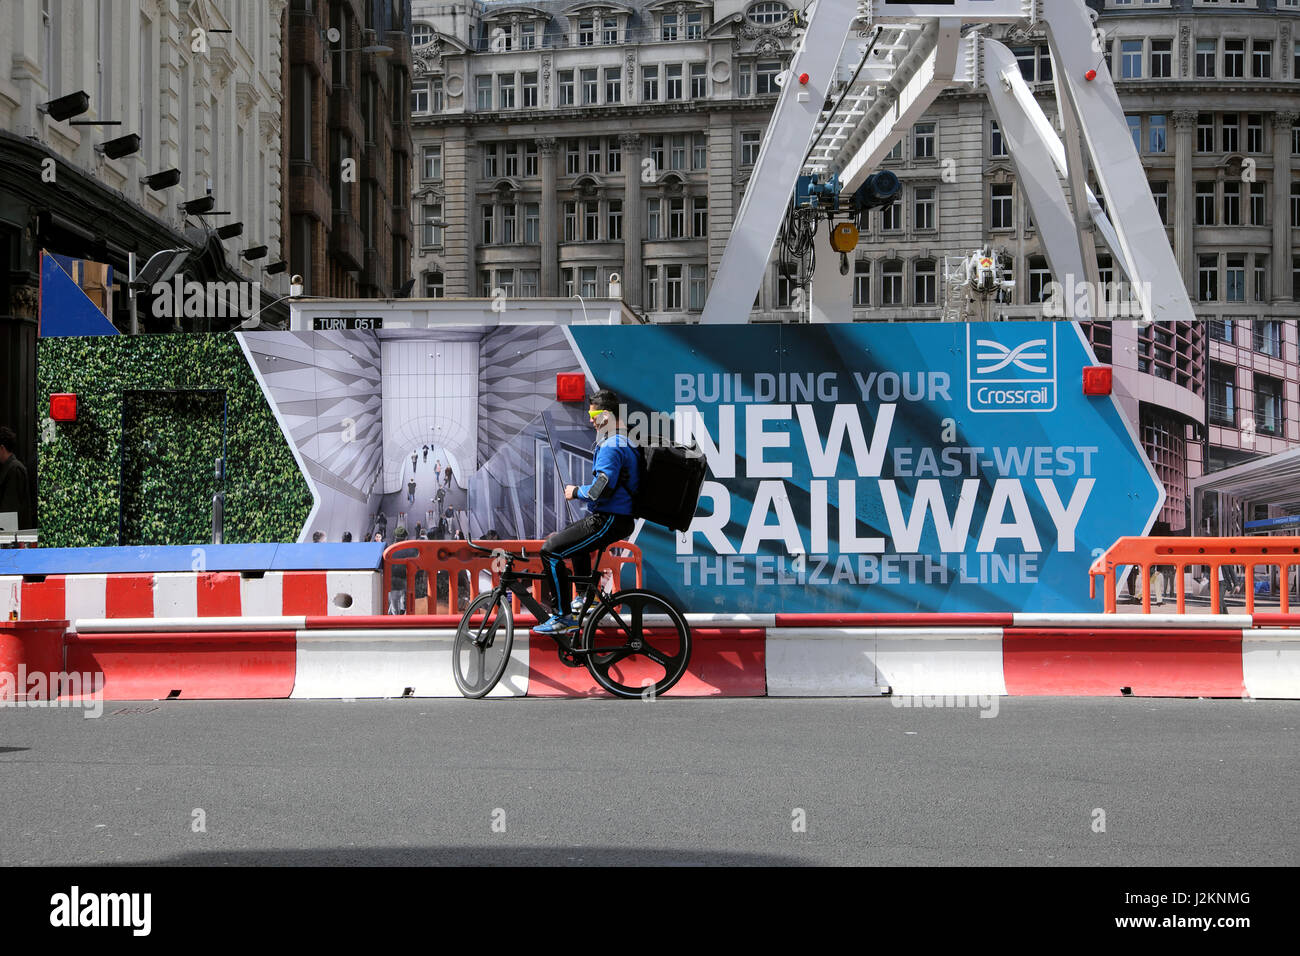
(639, 644)
(484, 638)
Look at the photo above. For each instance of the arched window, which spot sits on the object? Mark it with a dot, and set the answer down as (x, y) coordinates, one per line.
(768, 12)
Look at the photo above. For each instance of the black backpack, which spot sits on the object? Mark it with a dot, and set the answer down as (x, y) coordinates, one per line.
(671, 478)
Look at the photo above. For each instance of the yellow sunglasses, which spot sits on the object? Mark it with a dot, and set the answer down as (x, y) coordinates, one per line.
(594, 415)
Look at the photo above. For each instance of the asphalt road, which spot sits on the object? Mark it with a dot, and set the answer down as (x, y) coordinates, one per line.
(686, 782)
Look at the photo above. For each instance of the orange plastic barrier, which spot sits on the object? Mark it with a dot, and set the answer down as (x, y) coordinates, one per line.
(442, 577)
(1182, 553)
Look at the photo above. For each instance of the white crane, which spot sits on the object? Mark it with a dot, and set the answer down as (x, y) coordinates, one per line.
(834, 124)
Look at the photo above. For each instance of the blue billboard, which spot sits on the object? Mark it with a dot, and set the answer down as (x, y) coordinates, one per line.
(881, 467)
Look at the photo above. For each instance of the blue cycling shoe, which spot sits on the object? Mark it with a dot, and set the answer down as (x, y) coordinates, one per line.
(557, 624)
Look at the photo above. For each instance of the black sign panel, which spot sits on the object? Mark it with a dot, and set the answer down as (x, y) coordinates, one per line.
(329, 324)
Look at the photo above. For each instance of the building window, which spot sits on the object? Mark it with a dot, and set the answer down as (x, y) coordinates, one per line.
(506, 90)
(1001, 206)
(694, 26)
(419, 98)
(530, 158)
(614, 85)
(586, 33)
(1261, 57)
(997, 146)
(1223, 395)
(699, 217)
(530, 91)
(487, 218)
(1160, 193)
(1234, 59)
(652, 288)
(1025, 56)
(528, 283)
(750, 141)
(436, 104)
(1235, 276)
(532, 223)
(924, 282)
(421, 33)
(1222, 330)
(862, 282)
(614, 221)
(505, 282)
(566, 281)
(594, 151)
(1157, 134)
(510, 159)
(1206, 52)
(673, 288)
(673, 81)
(744, 80)
(509, 223)
(610, 32)
(432, 163)
(1130, 59)
(650, 84)
(1269, 415)
(1254, 132)
(434, 285)
(1259, 203)
(614, 156)
(657, 153)
(1231, 132)
(699, 87)
(1039, 278)
(432, 223)
(1161, 59)
(591, 221)
(1207, 278)
(677, 152)
(1295, 278)
(923, 141)
(923, 207)
(652, 219)
(1295, 205)
(765, 74)
(668, 27)
(566, 88)
(1135, 131)
(767, 12)
(1232, 203)
(587, 281)
(1261, 277)
(698, 287)
(1266, 337)
(570, 222)
(891, 282)
(590, 87)
(699, 151)
(891, 216)
(572, 157)
(1205, 132)
(676, 218)
(1205, 204)
(489, 160)
(783, 286)
(483, 84)
(528, 36)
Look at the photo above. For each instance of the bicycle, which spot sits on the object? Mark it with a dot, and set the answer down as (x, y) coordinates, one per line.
(629, 635)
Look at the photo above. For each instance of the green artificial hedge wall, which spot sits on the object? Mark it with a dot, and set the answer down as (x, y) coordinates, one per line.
(164, 445)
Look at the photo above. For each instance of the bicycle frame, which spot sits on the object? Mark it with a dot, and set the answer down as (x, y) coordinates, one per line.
(515, 582)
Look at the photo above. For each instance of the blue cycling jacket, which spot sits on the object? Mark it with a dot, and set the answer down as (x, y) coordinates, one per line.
(617, 459)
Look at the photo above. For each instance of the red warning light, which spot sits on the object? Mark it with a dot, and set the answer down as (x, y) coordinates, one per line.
(63, 406)
(1090, 75)
(570, 387)
(803, 79)
(1097, 379)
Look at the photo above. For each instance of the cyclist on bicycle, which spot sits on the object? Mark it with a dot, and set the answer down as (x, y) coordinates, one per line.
(616, 475)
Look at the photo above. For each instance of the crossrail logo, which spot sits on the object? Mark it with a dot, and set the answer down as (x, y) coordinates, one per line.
(1007, 372)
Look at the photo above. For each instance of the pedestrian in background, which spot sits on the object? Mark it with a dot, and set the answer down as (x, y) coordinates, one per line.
(447, 473)
(15, 492)
(410, 491)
